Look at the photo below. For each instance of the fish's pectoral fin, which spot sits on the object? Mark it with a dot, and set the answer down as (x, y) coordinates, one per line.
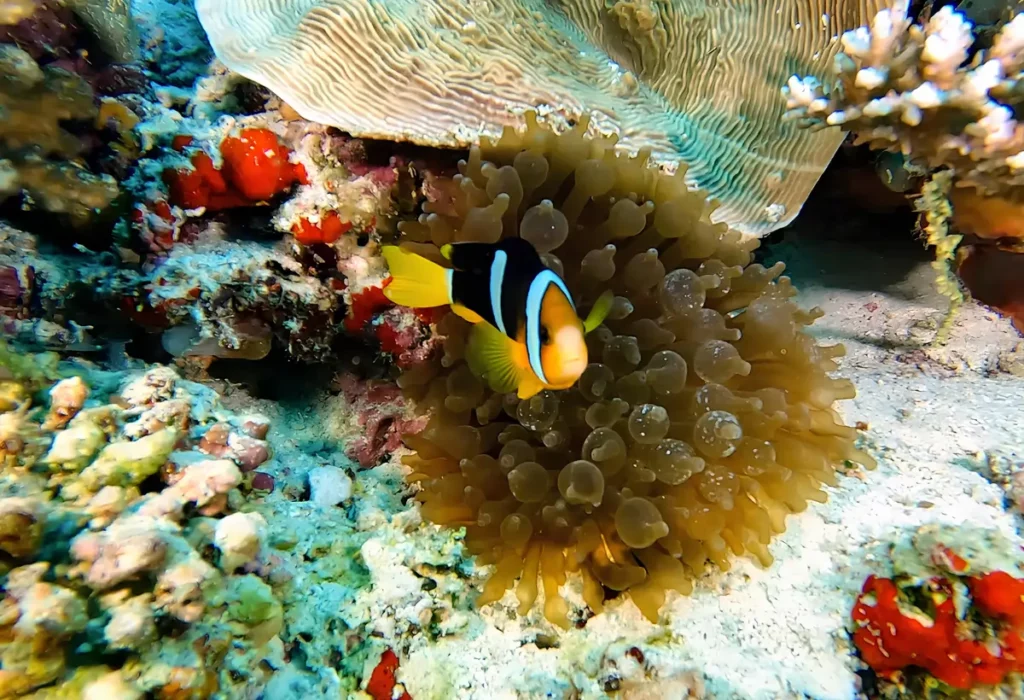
(491, 355)
(467, 313)
(529, 386)
(416, 282)
(599, 312)
(446, 251)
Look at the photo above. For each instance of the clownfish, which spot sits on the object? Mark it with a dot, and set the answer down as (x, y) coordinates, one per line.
(526, 334)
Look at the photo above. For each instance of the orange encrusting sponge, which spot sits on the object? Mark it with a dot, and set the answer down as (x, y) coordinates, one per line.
(256, 168)
(330, 229)
(892, 634)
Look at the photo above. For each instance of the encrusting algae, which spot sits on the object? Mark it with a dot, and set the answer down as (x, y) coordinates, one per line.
(704, 418)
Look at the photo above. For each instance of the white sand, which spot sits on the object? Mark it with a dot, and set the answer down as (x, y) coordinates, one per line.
(781, 633)
(749, 633)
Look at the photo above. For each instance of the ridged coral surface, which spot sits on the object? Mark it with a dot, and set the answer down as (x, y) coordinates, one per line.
(704, 419)
(692, 79)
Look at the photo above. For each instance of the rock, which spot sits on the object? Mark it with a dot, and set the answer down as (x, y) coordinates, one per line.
(329, 486)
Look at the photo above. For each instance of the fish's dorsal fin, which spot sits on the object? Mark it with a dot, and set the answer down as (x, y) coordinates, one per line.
(492, 355)
(467, 313)
(602, 307)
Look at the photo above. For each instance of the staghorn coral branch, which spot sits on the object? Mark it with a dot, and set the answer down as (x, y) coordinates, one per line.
(908, 88)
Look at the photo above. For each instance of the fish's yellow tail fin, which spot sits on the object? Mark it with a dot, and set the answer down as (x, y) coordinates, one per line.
(416, 282)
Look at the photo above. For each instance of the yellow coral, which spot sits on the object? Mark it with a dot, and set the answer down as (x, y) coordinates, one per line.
(703, 420)
(936, 211)
(35, 103)
(14, 11)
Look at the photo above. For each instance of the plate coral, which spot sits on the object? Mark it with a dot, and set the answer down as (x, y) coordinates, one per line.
(662, 75)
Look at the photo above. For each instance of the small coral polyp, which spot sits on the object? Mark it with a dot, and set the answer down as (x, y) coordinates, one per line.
(704, 418)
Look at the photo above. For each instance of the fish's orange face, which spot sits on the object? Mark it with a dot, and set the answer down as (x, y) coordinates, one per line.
(563, 351)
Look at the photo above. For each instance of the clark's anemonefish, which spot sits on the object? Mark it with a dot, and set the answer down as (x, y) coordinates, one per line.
(526, 334)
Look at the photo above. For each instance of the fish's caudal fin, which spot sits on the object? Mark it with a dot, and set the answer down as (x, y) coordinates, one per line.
(416, 282)
(602, 307)
(495, 358)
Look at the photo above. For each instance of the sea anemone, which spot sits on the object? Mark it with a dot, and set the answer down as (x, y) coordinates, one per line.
(703, 420)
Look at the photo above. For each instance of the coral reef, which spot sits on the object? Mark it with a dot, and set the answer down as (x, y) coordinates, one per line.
(703, 420)
(923, 91)
(111, 22)
(121, 522)
(49, 299)
(950, 617)
(910, 88)
(653, 73)
(255, 233)
(174, 47)
(69, 102)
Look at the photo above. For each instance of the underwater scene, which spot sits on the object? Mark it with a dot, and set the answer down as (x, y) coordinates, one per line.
(501, 349)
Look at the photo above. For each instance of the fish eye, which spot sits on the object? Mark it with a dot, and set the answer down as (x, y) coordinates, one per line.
(545, 337)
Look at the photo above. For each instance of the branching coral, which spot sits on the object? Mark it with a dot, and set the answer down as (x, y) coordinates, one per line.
(919, 90)
(703, 420)
(124, 560)
(910, 88)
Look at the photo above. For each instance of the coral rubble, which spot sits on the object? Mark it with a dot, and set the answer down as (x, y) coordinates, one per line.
(703, 420)
(119, 523)
(665, 75)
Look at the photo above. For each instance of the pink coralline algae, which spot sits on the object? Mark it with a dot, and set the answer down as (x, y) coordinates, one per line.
(158, 226)
(240, 446)
(406, 334)
(382, 417)
(15, 289)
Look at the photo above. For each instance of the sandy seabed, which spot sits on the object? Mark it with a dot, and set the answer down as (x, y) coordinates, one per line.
(936, 416)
